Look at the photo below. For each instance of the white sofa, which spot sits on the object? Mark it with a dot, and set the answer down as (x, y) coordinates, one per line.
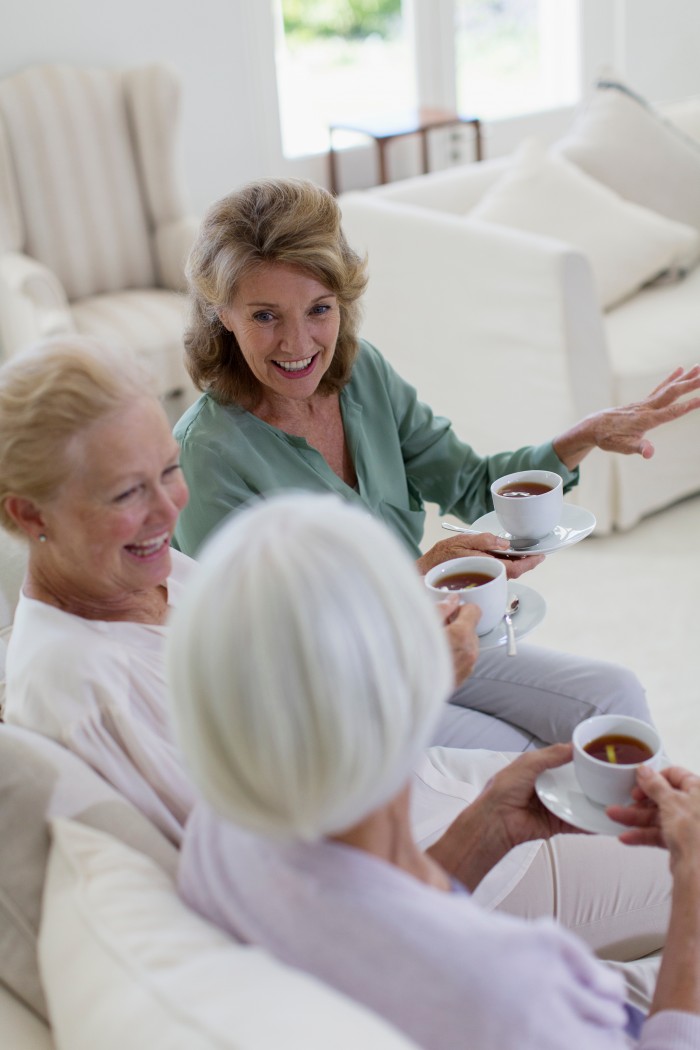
(514, 333)
(97, 950)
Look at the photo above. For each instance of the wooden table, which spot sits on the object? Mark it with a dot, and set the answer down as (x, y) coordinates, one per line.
(384, 129)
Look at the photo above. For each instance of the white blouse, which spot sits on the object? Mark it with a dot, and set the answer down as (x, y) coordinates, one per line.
(99, 689)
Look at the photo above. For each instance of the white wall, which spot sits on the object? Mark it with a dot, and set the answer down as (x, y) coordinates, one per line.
(223, 50)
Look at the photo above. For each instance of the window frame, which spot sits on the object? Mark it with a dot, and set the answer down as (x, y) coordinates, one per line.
(431, 24)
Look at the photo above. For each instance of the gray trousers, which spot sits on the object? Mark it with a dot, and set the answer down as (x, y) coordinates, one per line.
(535, 698)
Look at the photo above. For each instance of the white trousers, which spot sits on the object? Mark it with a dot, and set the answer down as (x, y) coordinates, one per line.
(616, 898)
(536, 697)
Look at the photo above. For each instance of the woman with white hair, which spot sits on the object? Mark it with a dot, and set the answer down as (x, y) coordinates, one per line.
(308, 670)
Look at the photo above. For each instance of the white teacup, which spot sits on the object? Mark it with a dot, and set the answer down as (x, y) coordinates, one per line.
(491, 597)
(604, 782)
(528, 518)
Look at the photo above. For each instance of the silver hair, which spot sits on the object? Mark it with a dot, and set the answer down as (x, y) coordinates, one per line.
(307, 666)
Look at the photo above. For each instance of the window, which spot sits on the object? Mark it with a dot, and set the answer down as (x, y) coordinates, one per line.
(338, 60)
(515, 56)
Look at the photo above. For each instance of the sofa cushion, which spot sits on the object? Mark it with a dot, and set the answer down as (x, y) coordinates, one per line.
(21, 1028)
(39, 780)
(627, 145)
(627, 245)
(142, 962)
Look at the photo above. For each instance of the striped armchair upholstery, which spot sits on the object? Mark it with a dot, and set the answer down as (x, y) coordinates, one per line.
(13, 563)
(93, 226)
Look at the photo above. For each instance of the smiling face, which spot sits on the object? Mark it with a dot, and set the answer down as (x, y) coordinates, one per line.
(109, 528)
(286, 324)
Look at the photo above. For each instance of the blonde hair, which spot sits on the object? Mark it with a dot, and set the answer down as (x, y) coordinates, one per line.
(307, 666)
(48, 394)
(273, 221)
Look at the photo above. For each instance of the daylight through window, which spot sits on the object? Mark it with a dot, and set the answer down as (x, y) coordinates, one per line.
(338, 60)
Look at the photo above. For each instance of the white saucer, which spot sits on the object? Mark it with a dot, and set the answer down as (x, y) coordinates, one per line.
(576, 523)
(530, 613)
(559, 791)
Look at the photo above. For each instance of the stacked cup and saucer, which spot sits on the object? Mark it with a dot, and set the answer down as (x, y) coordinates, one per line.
(608, 751)
(529, 511)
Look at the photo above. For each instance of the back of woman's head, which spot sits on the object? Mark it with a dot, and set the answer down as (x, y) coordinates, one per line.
(291, 222)
(307, 665)
(48, 394)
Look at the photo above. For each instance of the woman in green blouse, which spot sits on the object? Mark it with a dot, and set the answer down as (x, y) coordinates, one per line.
(293, 399)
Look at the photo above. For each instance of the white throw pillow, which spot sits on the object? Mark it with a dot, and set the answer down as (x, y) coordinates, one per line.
(39, 781)
(627, 245)
(126, 964)
(624, 143)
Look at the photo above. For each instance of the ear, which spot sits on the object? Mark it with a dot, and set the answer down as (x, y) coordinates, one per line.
(224, 315)
(26, 515)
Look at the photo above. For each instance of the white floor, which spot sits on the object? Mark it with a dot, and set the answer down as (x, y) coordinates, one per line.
(634, 597)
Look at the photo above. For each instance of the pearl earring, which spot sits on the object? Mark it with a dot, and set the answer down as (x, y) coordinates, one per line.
(42, 537)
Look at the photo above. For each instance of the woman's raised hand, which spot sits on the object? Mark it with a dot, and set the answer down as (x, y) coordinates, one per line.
(624, 429)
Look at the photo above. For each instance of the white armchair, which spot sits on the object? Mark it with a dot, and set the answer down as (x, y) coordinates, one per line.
(93, 227)
(503, 331)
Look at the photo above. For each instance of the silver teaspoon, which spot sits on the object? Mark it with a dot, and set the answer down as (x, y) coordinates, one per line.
(459, 528)
(512, 607)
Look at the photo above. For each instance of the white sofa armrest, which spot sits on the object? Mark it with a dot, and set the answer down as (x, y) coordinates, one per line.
(497, 329)
(33, 304)
(504, 304)
(173, 241)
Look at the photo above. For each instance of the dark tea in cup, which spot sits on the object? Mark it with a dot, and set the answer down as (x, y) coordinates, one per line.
(474, 580)
(528, 504)
(462, 581)
(618, 750)
(608, 751)
(518, 489)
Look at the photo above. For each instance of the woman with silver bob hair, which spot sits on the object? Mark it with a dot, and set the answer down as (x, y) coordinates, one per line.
(315, 759)
(308, 668)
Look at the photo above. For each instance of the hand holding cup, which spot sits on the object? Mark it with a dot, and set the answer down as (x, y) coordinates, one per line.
(475, 580)
(608, 751)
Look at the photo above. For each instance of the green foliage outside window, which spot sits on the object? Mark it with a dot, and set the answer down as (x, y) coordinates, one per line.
(351, 19)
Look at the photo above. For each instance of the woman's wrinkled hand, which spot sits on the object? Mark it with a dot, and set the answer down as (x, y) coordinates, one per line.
(514, 802)
(506, 813)
(460, 623)
(479, 545)
(665, 812)
(624, 429)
